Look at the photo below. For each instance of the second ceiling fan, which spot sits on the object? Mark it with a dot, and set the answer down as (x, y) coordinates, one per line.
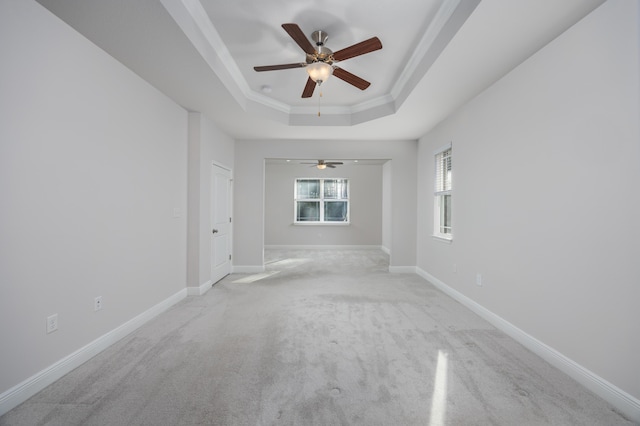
(320, 59)
(321, 164)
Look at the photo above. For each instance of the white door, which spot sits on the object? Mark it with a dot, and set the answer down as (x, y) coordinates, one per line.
(220, 223)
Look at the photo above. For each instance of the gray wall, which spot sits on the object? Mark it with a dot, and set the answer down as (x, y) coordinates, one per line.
(546, 167)
(207, 145)
(387, 203)
(93, 164)
(365, 184)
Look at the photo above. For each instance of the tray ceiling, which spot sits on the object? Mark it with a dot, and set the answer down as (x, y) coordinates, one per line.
(436, 55)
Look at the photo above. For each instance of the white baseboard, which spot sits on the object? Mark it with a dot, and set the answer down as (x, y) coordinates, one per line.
(621, 400)
(199, 291)
(323, 247)
(239, 269)
(385, 249)
(25, 390)
(402, 269)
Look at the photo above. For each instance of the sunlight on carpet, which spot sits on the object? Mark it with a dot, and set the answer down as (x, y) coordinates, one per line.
(288, 263)
(255, 277)
(439, 400)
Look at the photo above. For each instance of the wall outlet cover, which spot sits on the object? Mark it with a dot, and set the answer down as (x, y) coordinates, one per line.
(52, 323)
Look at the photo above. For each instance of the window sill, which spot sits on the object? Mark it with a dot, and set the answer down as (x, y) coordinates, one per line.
(446, 240)
(321, 224)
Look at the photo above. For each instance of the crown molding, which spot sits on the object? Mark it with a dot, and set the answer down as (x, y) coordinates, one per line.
(426, 42)
(193, 20)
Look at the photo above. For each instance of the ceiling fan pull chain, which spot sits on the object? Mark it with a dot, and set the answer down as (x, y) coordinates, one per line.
(319, 97)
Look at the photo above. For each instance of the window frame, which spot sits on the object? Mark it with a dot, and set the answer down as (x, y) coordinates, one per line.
(321, 200)
(443, 189)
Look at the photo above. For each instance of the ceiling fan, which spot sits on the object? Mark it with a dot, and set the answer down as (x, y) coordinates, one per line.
(320, 59)
(321, 164)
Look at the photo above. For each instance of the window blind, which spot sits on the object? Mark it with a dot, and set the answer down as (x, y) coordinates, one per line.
(443, 172)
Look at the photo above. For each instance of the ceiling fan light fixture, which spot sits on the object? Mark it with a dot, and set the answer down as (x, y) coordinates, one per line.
(321, 166)
(319, 71)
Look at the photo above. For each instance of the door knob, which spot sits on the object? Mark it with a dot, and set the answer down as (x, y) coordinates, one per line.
(214, 231)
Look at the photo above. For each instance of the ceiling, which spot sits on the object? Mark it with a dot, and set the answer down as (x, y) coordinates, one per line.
(436, 55)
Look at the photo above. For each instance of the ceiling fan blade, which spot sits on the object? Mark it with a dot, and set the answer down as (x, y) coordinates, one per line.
(334, 162)
(280, 67)
(351, 78)
(329, 165)
(298, 36)
(358, 49)
(309, 88)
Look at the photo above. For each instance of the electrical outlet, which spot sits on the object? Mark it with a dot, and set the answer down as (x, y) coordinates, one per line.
(52, 323)
(479, 279)
(97, 303)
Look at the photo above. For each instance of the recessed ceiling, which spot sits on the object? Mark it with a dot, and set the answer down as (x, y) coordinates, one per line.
(262, 41)
(412, 36)
(436, 55)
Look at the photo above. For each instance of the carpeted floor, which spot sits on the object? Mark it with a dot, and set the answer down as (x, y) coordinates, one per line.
(323, 337)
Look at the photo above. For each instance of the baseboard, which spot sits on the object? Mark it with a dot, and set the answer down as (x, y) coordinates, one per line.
(402, 269)
(239, 269)
(199, 291)
(323, 247)
(25, 390)
(385, 249)
(621, 400)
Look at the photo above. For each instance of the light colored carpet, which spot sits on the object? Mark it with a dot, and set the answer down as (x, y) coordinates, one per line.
(323, 338)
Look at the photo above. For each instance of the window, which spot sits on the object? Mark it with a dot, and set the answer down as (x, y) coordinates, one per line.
(442, 202)
(321, 201)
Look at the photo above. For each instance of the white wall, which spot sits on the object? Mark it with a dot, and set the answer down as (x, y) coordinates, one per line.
(93, 162)
(387, 203)
(249, 186)
(207, 145)
(546, 167)
(365, 202)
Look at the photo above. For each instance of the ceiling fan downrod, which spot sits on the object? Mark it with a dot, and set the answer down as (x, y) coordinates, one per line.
(319, 37)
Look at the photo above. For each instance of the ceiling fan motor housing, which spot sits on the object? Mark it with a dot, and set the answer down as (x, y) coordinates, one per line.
(324, 54)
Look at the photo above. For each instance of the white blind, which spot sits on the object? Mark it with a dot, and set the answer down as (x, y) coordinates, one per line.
(443, 171)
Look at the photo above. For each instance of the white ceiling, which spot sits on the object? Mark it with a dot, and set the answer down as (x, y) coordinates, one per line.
(437, 55)
(260, 40)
